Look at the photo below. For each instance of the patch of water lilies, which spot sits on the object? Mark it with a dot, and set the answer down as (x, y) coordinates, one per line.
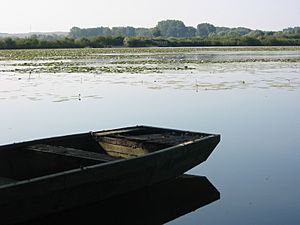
(58, 54)
(135, 60)
(90, 69)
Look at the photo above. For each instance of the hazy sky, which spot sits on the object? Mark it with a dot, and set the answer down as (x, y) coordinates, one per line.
(61, 15)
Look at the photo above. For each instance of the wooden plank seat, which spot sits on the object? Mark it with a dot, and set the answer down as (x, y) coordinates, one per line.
(71, 152)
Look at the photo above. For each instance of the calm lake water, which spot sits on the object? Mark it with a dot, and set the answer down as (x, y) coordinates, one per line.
(253, 105)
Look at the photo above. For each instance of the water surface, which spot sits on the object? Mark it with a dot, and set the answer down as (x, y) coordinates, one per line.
(254, 105)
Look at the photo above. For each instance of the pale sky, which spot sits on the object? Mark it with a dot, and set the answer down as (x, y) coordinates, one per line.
(18, 16)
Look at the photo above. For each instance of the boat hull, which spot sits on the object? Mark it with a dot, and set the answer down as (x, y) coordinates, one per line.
(56, 192)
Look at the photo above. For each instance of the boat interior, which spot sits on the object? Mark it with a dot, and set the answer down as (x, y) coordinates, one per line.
(43, 157)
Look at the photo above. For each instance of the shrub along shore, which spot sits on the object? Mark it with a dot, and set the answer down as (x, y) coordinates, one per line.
(119, 41)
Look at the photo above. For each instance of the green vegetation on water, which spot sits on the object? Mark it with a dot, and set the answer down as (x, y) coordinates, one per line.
(137, 60)
(214, 68)
(58, 54)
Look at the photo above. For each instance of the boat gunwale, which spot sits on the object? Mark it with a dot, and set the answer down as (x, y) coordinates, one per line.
(88, 133)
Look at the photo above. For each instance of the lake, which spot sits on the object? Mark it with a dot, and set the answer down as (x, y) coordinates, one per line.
(248, 95)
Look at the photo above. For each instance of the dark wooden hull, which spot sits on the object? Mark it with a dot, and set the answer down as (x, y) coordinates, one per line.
(66, 189)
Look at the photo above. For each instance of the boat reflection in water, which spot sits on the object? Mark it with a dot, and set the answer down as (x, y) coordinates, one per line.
(157, 204)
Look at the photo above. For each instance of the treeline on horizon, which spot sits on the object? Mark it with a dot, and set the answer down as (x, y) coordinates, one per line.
(167, 33)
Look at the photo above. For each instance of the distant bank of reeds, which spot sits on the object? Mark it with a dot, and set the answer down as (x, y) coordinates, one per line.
(119, 41)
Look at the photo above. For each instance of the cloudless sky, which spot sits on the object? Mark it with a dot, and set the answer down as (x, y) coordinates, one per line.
(18, 16)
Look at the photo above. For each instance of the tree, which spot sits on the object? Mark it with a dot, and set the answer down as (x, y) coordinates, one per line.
(204, 29)
(241, 30)
(172, 28)
(222, 30)
(75, 32)
(27, 43)
(256, 33)
(232, 34)
(9, 43)
(83, 42)
(118, 31)
(191, 32)
(129, 32)
(290, 30)
(143, 32)
(156, 32)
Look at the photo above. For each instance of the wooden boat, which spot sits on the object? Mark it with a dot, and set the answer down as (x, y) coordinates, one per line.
(49, 175)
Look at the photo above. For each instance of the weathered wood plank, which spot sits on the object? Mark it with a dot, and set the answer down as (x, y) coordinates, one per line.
(118, 131)
(168, 138)
(125, 148)
(122, 151)
(71, 152)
